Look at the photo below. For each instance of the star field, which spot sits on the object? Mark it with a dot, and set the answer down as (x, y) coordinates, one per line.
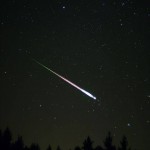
(101, 45)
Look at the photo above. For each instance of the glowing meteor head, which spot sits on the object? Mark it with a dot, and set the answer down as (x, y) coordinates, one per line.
(94, 97)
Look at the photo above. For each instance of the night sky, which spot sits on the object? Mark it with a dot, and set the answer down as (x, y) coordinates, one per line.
(100, 45)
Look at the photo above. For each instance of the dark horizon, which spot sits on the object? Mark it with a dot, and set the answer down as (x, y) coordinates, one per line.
(8, 143)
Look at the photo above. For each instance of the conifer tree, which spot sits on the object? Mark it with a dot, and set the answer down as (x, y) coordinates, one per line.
(34, 147)
(77, 148)
(6, 139)
(18, 145)
(108, 142)
(87, 144)
(58, 147)
(49, 147)
(124, 144)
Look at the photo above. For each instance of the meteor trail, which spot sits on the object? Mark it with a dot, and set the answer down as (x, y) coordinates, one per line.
(71, 83)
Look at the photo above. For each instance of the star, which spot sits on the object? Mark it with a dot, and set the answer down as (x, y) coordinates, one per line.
(128, 124)
(147, 121)
(64, 7)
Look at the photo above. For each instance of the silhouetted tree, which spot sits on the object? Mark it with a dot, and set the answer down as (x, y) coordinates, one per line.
(7, 144)
(108, 142)
(18, 145)
(34, 147)
(124, 144)
(49, 148)
(98, 148)
(26, 148)
(6, 139)
(58, 148)
(88, 144)
(77, 148)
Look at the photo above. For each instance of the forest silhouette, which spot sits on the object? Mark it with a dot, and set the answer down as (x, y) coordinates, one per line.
(7, 144)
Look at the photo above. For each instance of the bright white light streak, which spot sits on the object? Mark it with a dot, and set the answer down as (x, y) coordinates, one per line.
(71, 83)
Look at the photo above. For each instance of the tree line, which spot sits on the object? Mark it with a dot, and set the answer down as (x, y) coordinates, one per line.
(7, 144)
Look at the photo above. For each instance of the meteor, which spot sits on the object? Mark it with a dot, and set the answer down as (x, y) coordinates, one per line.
(71, 83)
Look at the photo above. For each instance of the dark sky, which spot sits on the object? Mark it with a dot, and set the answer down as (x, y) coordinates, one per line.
(100, 45)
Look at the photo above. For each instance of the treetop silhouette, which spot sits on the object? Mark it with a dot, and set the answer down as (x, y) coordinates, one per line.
(7, 144)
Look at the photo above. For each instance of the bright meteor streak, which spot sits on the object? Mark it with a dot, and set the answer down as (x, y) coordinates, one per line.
(71, 83)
